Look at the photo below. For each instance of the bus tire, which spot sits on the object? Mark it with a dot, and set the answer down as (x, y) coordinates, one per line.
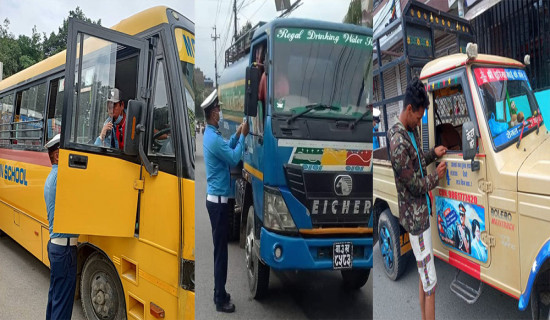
(101, 290)
(388, 233)
(355, 279)
(234, 221)
(540, 297)
(257, 272)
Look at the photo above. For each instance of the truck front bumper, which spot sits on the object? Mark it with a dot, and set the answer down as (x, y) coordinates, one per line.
(310, 253)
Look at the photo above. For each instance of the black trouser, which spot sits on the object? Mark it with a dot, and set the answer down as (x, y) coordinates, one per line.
(218, 213)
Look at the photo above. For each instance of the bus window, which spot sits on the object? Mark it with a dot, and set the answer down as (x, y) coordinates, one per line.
(29, 116)
(6, 114)
(105, 66)
(161, 140)
(55, 107)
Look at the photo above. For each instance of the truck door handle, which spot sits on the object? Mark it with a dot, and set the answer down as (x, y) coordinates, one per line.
(78, 161)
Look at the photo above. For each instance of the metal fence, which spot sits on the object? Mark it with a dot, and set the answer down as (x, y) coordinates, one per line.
(514, 29)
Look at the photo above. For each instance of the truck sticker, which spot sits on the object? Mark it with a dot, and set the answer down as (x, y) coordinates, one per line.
(457, 174)
(329, 159)
(322, 36)
(486, 75)
(501, 218)
(515, 131)
(460, 225)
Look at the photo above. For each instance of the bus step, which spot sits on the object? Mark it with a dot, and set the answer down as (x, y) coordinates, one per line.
(465, 291)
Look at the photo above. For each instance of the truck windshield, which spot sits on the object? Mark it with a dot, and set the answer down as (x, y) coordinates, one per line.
(508, 104)
(320, 67)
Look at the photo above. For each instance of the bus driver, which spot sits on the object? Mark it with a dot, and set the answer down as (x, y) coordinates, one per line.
(117, 116)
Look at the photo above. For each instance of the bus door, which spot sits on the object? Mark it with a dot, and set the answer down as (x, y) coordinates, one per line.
(460, 214)
(97, 184)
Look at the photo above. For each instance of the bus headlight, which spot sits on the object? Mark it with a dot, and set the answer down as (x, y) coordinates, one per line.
(276, 214)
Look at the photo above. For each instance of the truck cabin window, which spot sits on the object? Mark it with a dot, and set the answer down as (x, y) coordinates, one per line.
(450, 113)
(508, 103)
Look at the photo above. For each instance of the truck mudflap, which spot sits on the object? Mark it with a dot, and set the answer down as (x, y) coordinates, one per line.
(310, 254)
(542, 256)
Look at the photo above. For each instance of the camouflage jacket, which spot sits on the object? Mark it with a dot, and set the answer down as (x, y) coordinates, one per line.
(411, 186)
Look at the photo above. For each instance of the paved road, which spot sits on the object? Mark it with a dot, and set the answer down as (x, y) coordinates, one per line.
(395, 299)
(302, 295)
(24, 283)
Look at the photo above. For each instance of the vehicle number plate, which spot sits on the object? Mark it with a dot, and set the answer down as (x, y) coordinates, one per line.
(342, 255)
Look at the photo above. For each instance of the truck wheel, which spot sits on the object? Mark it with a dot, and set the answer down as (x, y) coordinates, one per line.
(540, 301)
(354, 279)
(101, 290)
(257, 271)
(388, 232)
(234, 221)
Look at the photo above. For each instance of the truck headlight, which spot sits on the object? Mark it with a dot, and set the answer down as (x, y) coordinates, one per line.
(276, 215)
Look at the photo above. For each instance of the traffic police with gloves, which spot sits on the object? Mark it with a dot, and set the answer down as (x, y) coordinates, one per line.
(219, 156)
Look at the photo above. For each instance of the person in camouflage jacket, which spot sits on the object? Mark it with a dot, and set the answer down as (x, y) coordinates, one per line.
(413, 183)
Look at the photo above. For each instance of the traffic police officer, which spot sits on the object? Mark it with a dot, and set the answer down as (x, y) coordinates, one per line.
(61, 249)
(219, 157)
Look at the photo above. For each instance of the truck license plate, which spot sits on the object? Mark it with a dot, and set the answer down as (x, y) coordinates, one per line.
(342, 255)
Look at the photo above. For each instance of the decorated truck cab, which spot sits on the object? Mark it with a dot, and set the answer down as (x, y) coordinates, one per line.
(303, 195)
(491, 213)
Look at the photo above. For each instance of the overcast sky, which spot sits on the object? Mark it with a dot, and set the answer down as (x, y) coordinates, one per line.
(218, 12)
(48, 15)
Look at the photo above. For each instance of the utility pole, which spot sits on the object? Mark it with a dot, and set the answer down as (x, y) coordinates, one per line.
(235, 18)
(215, 37)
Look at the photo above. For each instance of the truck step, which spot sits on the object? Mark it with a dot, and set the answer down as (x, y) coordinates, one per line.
(465, 291)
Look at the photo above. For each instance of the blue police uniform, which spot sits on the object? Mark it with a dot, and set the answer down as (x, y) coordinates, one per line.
(219, 157)
(62, 260)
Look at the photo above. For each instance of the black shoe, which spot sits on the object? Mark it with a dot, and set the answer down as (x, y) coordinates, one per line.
(225, 307)
(227, 298)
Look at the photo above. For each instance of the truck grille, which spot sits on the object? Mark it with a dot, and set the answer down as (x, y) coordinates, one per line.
(333, 198)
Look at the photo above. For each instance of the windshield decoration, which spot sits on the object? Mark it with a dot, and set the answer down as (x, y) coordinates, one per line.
(322, 36)
(514, 132)
(486, 75)
(328, 159)
(449, 82)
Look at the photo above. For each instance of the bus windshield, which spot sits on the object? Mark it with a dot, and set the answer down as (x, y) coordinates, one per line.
(323, 68)
(508, 103)
(185, 42)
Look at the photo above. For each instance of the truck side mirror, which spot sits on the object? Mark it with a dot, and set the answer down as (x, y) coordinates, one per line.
(252, 82)
(469, 147)
(133, 119)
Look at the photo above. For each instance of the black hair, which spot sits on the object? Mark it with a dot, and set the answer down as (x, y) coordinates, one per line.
(416, 95)
(463, 207)
(475, 224)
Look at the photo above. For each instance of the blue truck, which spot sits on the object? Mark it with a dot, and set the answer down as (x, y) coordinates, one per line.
(303, 193)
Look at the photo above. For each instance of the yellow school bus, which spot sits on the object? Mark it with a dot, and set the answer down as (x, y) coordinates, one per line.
(133, 206)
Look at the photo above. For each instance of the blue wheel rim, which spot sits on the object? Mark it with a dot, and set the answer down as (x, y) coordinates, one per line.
(386, 247)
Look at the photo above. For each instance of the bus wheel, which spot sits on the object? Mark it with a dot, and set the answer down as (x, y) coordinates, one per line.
(354, 279)
(256, 270)
(388, 234)
(540, 299)
(234, 221)
(101, 290)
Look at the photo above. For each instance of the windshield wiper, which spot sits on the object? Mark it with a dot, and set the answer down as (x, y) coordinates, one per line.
(354, 123)
(316, 106)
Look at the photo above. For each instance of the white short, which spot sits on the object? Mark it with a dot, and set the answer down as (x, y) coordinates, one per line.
(423, 253)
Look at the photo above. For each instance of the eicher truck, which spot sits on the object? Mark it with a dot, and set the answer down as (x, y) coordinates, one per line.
(303, 195)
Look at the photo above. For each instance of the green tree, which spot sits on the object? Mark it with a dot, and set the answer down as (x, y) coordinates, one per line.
(9, 50)
(353, 15)
(31, 49)
(57, 42)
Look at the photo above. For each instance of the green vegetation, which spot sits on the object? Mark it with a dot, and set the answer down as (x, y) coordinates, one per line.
(18, 53)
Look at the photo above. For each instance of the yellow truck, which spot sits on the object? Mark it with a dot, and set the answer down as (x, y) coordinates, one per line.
(482, 108)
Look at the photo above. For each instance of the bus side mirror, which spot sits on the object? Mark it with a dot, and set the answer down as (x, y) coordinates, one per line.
(469, 146)
(252, 82)
(133, 120)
